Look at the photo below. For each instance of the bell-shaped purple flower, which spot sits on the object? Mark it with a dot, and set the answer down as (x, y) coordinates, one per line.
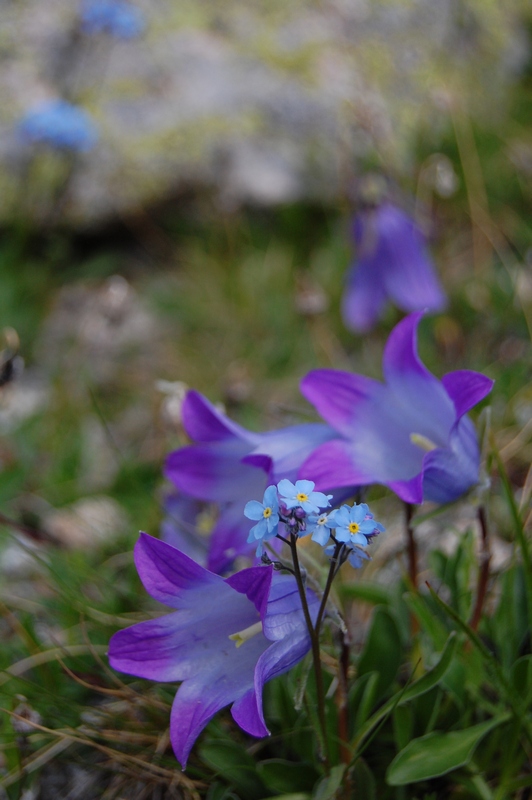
(226, 640)
(230, 465)
(392, 263)
(181, 526)
(410, 433)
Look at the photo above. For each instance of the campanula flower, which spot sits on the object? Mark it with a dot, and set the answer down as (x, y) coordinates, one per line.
(392, 263)
(267, 514)
(120, 19)
(229, 464)
(410, 433)
(60, 125)
(353, 525)
(225, 639)
(302, 495)
(181, 525)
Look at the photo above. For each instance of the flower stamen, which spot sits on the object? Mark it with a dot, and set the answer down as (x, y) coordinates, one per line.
(423, 441)
(248, 633)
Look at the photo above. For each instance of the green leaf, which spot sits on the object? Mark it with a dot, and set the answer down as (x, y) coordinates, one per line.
(297, 796)
(402, 725)
(429, 622)
(370, 592)
(434, 676)
(327, 788)
(419, 687)
(286, 776)
(438, 753)
(234, 765)
(521, 678)
(364, 782)
(382, 652)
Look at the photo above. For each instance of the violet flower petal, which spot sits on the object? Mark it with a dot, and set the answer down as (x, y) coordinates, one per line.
(403, 433)
(203, 422)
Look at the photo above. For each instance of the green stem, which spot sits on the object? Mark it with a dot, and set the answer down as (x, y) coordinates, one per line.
(326, 591)
(315, 644)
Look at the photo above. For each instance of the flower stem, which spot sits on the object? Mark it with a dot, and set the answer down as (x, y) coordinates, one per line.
(315, 644)
(411, 545)
(483, 571)
(326, 591)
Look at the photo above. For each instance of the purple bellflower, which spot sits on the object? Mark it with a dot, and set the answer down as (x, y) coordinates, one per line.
(60, 125)
(181, 525)
(225, 640)
(392, 264)
(116, 17)
(229, 464)
(410, 433)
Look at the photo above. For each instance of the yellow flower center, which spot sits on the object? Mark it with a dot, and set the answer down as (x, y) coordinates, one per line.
(354, 527)
(423, 441)
(267, 512)
(248, 633)
(301, 497)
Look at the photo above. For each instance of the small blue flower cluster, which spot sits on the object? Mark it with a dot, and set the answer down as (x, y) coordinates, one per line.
(300, 509)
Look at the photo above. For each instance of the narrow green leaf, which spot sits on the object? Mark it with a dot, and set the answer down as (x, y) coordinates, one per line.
(433, 676)
(280, 775)
(235, 765)
(327, 788)
(365, 785)
(382, 652)
(370, 592)
(297, 796)
(438, 753)
(419, 687)
(426, 617)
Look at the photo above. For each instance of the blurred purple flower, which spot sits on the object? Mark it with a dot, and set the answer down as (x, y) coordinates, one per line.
(226, 640)
(59, 124)
(180, 526)
(230, 465)
(409, 433)
(392, 263)
(120, 19)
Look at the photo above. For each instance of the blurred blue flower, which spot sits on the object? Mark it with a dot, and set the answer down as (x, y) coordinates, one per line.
(118, 18)
(392, 263)
(61, 125)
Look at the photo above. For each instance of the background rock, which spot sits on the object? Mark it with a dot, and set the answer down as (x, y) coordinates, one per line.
(266, 102)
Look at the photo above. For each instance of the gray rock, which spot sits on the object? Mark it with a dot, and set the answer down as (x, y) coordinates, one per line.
(265, 102)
